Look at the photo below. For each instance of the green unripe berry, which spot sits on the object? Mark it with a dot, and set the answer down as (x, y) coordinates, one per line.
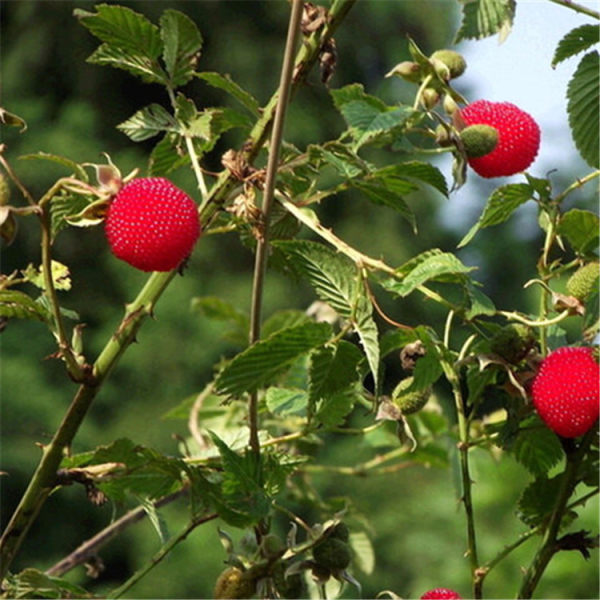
(409, 402)
(453, 62)
(232, 584)
(479, 140)
(271, 546)
(430, 97)
(332, 554)
(584, 281)
(513, 342)
(340, 532)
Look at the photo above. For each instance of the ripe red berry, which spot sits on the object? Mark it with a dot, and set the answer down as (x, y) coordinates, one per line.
(518, 137)
(440, 593)
(565, 391)
(152, 224)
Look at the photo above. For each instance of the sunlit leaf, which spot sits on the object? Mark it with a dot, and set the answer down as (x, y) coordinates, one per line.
(576, 41)
(482, 18)
(18, 305)
(182, 43)
(148, 122)
(581, 228)
(260, 363)
(582, 95)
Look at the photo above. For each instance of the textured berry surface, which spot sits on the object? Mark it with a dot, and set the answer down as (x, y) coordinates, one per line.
(584, 281)
(440, 593)
(518, 137)
(565, 391)
(152, 224)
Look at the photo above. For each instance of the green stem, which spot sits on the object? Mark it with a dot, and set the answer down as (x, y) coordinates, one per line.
(584, 10)
(160, 555)
(548, 547)
(44, 478)
(260, 262)
(576, 185)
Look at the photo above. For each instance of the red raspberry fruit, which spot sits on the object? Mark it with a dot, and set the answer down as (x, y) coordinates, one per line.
(152, 224)
(518, 137)
(565, 391)
(440, 593)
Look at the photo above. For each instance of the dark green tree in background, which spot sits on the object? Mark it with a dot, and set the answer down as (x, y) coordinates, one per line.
(210, 420)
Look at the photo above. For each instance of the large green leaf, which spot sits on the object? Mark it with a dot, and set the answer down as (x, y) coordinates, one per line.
(335, 280)
(580, 227)
(18, 305)
(165, 156)
(225, 83)
(576, 41)
(500, 205)
(538, 450)
(582, 95)
(262, 362)
(148, 122)
(384, 192)
(182, 44)
(431, 265)
(482, 18)
(414, 169)
(131, 41)
(332, 369)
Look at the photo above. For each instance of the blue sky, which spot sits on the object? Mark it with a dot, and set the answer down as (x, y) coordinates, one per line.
(518, 71)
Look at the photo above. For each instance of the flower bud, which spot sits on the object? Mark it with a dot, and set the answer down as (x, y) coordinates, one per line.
(408, 70)
(448, 64)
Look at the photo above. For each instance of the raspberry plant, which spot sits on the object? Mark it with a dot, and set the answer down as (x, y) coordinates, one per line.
(305, 375)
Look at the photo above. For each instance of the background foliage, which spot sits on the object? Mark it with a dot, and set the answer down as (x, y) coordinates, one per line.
(71, 108)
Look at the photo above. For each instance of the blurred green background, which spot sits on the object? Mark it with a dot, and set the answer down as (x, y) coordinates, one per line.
(71, 108)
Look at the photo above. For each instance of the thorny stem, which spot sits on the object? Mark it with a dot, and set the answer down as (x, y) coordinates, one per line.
(260, 262)
(467, 500)
(43, 480)
(576, 185)
(548, 546)
(161, 554)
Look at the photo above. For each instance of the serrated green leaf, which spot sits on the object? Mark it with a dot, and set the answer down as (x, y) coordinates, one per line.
(123, 28)
(148, 122)
(18, 305)
(580, 227)
(480, 304)
(283, 319)
(31, 583)
(65, 205)
(136, 64)
(225, 83)
(335, 281)
(499, 207)
(60, 276)
(576, 41)
(380, 192)
(432, 265)
(537, 500)
(145, 472)
(428, 369)
(355, 92)
(333, 368)
(165, 156)
(261, 363)
(333, 276)
(346, 162)
(182, 44)
(538, 450)
(482, 18)
(285, 401)
(582, 106)
(156, 519)
(332, 410)
(418, 170)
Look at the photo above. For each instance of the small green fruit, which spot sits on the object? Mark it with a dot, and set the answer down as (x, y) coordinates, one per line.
(479, 140)
(584, 281)
(340, 532)
(409, 402)
(232, 584)
(271, 546)
(453, 62)
(332, 554)
(430, 97)
(513, 342)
